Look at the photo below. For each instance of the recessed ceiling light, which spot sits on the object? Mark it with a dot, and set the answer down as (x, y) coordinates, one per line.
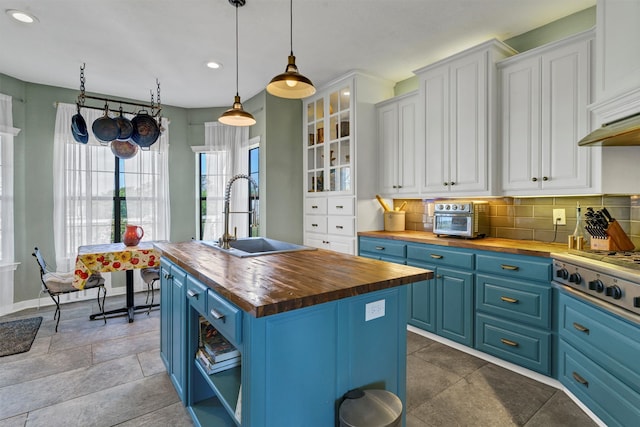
(214, 65)
(21, 16)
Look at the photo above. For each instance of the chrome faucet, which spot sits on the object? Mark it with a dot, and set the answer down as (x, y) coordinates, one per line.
(226, 237)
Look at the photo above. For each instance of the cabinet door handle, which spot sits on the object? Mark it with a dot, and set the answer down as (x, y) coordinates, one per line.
(581, 328)
(379, 248)
(438, 276)
(192, 294)
(534, 179)
(508, 342)
(545, 178)
(453, 183)
(168, 276)
(217, 315)
(581, 380)
(509, 300)
(339, 227)
(436, 256)
(445, 184)
(509, 267)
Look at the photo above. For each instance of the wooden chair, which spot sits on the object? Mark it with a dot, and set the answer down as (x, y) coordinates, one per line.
(58, 283)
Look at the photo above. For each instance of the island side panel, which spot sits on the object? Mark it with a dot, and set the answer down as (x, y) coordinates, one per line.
(298, 365)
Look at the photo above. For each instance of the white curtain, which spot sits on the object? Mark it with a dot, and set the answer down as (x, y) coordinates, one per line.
(7, 262)
(83, 179)
(227, 155)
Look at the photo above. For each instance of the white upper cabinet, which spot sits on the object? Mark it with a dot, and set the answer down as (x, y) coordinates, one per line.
(397, 133)
(544, 98)
(340, 159)
(458, 100)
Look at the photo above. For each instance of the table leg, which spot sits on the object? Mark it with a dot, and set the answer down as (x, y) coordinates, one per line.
(130, 309)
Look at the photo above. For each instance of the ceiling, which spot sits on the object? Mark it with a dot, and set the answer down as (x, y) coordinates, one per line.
(126, 45)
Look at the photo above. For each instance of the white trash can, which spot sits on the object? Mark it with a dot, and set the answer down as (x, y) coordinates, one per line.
(370, 408)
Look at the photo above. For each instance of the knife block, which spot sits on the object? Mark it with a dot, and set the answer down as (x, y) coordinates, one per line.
(620, 240)
(601, 244)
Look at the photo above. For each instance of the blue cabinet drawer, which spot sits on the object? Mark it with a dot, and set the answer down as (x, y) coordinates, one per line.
(602, 337)
(520, 266)
(611, 400)
(225, 317)
(513, 299)
(383, 247)
(436, 255)
(522, 345)
(197, 294)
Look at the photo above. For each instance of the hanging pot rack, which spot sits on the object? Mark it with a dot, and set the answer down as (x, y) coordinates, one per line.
(155, 105)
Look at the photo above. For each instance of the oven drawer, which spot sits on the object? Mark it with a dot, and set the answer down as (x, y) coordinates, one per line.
(611, 400)
(438, 256)
(225, 317)
(517, 300)
(603, 337)
(197, 294)
(520, 266)
(520, 344)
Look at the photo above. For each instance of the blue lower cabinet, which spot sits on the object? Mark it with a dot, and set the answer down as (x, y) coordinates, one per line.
(421, 301)
(520, 344)
(454, 305)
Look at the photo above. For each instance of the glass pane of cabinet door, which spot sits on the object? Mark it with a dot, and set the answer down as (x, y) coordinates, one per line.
(328, 144)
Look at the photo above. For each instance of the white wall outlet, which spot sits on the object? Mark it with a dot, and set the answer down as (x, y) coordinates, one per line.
(373, 310)
(559, 217)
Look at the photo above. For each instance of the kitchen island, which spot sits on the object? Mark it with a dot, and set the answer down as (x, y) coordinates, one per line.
(310, 326)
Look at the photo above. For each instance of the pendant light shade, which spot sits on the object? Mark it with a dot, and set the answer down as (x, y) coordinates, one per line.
(291, 84)
(236, 116)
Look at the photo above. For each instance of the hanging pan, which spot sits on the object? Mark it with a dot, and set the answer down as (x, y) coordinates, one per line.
(105, 128)
(145, 130)
(79, 127)
(125, 126)
(124, 149)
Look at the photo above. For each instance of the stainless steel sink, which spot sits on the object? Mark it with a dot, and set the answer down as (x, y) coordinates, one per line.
(257, 246)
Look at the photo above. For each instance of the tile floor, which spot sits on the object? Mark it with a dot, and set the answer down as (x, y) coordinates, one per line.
(91, 374)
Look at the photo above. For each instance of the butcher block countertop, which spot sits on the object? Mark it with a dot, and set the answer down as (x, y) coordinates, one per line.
(519, 247)
(271, 284)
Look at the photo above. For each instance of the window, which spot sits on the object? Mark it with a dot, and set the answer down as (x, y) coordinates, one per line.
(96, 194)
(227, 152)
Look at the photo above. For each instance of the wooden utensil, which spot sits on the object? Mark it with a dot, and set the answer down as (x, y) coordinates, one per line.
(383, 203)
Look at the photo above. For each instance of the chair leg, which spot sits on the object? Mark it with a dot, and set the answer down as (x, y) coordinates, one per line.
(152, 295)
(56, 315)
(101, 306)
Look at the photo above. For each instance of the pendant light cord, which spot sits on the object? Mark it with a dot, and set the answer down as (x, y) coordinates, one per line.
(237, 90)
(291, 25)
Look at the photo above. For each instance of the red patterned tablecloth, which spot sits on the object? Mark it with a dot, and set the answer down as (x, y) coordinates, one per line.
(112, 257)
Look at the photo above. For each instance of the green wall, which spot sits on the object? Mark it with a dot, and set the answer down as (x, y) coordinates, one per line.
(556, 30)
(34, 114)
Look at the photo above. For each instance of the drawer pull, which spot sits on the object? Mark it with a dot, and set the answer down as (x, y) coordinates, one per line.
(509, 300)
(314, 225)
(339, 207)
(314, 207)
(436, 256)
(580, 379)
(509, 342)
(339, 227)
(217, 315)
(509, 267)
(379, 248)
(581, 328)
(192, 294)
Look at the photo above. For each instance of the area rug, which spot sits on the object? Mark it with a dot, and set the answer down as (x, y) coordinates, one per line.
(17, 336)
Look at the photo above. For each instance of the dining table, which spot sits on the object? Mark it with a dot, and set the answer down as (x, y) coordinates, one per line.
(112, 257)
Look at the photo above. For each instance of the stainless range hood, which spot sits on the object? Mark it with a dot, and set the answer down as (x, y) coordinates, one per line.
(621, 132)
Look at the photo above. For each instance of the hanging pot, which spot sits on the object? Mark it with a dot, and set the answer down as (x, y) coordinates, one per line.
(105, 128)
(125, 127)
(79, 138)
(124, 149)
(145, 130)
(78, 124)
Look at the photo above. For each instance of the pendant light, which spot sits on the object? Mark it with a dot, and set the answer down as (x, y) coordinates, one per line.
(291, 84)
(236, 116)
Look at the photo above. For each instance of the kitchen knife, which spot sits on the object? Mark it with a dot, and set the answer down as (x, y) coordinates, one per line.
(606, 213)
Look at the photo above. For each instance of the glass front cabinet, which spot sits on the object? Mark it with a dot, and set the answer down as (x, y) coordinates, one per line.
(335, 180)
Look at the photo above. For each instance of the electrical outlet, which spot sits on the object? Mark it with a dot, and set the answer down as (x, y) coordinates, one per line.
(559, 217)
(373, 310)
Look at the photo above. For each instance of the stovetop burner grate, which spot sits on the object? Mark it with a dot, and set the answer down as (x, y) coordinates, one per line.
(623, 259)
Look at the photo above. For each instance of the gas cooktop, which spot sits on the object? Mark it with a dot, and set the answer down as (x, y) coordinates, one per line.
(630, 259)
